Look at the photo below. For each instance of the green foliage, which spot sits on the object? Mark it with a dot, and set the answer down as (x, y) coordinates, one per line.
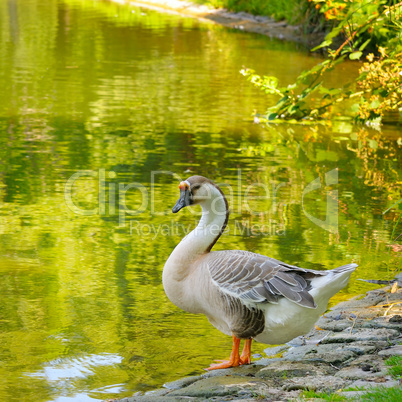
(383, 394)
(378, 86)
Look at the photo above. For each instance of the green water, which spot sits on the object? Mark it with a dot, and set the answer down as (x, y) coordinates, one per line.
(130, 101)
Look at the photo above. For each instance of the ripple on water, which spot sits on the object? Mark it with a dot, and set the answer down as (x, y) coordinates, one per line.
(61, 374)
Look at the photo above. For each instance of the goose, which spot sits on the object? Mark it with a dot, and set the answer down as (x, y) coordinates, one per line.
(243, 294)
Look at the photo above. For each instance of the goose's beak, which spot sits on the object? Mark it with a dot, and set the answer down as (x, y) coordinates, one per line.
(185, 197)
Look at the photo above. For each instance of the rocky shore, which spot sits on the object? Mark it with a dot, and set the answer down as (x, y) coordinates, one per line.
(344, 354)
(241, 20)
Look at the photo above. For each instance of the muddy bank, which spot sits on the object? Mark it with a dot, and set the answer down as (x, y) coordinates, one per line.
(346, 352)
(241, 20)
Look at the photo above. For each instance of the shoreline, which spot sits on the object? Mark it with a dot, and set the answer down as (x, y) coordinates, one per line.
(236, 20)
(344, 354)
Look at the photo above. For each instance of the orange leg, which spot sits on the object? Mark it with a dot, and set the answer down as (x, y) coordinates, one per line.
(234, 359)
(245, 357)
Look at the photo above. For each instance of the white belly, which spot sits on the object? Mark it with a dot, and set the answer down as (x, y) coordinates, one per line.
(286, 320)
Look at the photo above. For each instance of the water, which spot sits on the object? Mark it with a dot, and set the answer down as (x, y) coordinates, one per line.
(124, 97)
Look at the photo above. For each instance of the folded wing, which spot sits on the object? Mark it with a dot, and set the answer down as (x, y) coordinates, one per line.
(254, 278)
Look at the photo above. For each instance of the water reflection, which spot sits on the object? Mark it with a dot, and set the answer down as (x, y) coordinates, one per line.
(96, 87)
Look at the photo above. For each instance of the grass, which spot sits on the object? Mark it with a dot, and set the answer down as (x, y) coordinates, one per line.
(376, 394)
(395, 367)
(379, 394)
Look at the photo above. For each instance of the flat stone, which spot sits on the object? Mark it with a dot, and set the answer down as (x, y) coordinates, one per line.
(298, 352)
(315, 337)
(334, 325)
(380, 334)
(223, 386)
(392, 351)
(318, 383)
(382, 322)
(373, 321)
(290, 369)
(157, 392)
(365, 347)
(312, 338)
(357, 373)
(272, 394)
(184, 382)
(368, 384)
(153, 398)
(247, 370)
(266, 361)
(275, 350)
(371, 299)
(333, 353)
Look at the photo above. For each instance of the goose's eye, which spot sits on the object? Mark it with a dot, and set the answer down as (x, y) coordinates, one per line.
(195, 187)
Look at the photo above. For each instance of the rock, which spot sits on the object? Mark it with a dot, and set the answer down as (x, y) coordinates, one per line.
(317, 383)
(368, 384)
(223, 386)
(396, 318)
(266, 362)
(357, 370)
(381, 334)
(333, 325)
(299, 352)
(275, 350)
(157, 393)
(392, 351)
(153, 398)
(284, 370)
(333, 353)
(366, 347)
(184, 382)
(371, 299)
(248, 370)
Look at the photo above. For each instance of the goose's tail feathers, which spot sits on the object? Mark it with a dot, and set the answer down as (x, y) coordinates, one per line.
(332, 282)
(345, 268)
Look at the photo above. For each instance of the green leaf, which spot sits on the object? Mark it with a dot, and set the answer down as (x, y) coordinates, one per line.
(335, 32)
(323, 44)
(363, 46)
(374, 104)
(293, 109)
(355, 107)
(355, 55)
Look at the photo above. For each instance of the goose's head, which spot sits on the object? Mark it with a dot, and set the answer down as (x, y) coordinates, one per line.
(195, 190)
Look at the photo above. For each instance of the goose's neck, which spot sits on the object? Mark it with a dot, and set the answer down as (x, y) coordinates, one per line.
(213, 221)
(215, 214)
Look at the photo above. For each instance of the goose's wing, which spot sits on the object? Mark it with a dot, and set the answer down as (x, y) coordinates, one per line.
(254, 278)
